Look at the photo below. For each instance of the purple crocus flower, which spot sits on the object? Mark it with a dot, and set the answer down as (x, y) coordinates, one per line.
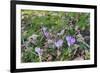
(58, 43)
(38, 50)
(45, 32)
(70, 40)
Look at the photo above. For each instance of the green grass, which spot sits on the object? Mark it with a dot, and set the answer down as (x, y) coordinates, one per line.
(72, 22)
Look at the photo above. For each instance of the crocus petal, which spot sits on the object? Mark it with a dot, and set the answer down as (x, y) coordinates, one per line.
(70, 40)
(61, 33)
(44, 29)
(46, 34)
(38, 50)
(59, 43)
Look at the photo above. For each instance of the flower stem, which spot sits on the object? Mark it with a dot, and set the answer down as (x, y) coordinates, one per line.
(40, 58)
(58, 53)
